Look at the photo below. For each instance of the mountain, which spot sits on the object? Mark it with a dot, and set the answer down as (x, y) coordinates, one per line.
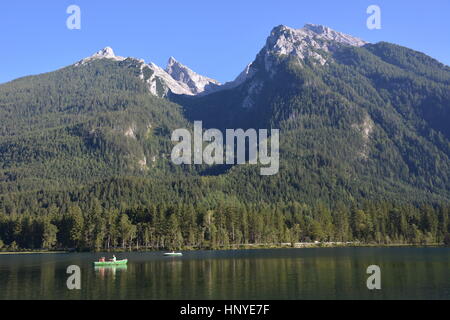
(177, 78)
(364, 149)
(105, 53)
(357, 120)
(196, 83)
(81, 124)
(309, 42)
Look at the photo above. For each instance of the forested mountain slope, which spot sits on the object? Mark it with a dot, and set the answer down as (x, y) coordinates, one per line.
(357, 121)
(364, 149)
(81, 124)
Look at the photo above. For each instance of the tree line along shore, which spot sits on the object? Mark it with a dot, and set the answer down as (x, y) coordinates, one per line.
(187, 226)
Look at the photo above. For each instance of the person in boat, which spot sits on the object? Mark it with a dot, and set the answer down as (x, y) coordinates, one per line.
(113, 258)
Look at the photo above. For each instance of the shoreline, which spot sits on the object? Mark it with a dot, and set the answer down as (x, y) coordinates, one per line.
(235, 247)
(31, 252)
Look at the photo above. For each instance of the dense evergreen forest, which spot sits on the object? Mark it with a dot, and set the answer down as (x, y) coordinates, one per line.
(188, 226)
(364, 157)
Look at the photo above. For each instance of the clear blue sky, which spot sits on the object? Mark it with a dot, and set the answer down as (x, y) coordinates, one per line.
(215, 38)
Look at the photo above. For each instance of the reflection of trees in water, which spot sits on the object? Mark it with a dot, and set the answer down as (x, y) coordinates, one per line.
(322, 273)
(48, 280)
(334, 276)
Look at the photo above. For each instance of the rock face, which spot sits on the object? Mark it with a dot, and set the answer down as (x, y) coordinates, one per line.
(105, 53)
(177, 78)
(311, 42)
(196, 83)
(323, 32)
(160, 83)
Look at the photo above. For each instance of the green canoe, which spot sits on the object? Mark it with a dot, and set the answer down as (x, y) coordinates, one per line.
(110, 263)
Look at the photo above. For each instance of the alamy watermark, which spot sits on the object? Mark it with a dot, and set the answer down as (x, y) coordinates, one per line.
(235, 147)
(374, 20)
(73, 22)
(374, 280)
(74, 280)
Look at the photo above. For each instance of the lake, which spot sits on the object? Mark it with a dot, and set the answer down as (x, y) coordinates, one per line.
(313, 273)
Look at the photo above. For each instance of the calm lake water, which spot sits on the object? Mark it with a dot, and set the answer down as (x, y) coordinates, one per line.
(322, 273)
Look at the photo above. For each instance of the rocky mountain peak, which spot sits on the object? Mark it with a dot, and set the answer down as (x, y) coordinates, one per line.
(105, 53)
(327, 33)
(196, 83)
(310, 42)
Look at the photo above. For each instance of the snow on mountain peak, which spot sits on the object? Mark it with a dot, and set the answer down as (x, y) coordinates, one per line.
(196, 83)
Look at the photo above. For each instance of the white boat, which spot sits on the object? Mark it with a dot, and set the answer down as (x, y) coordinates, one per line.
(173, 254)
